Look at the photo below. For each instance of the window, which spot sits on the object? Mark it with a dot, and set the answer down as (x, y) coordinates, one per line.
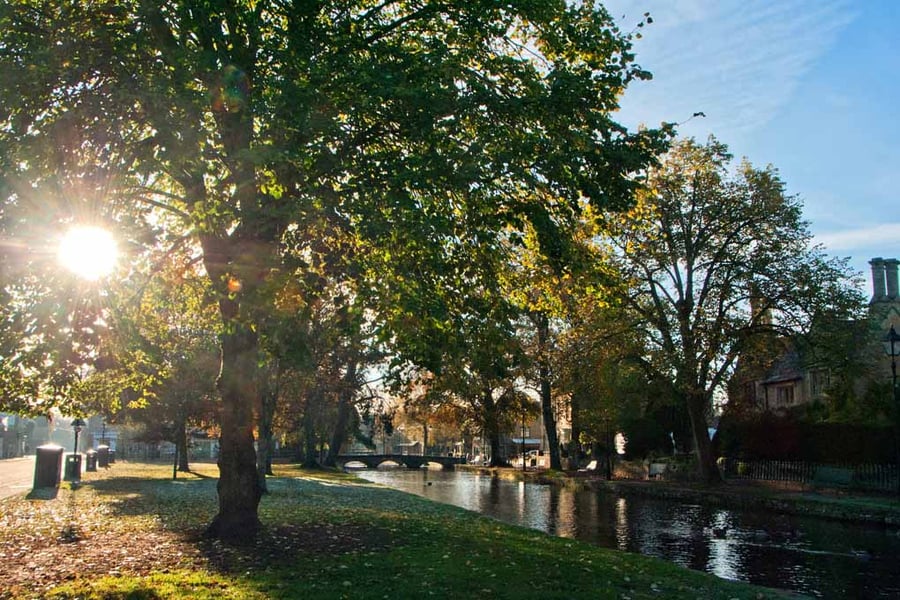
(784, 395)
(819, 382)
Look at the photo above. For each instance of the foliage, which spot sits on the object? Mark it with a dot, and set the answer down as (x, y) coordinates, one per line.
(793, 437)
(607, 389)
(539, 291)
(474, 359)
(51, 333)
(610, 392)
(160, 356)
(317, 339)
(440, 418)
(712, 258)
(645, 437)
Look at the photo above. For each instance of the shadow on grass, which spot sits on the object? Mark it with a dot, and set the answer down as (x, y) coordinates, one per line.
(282, 546)
(199, 474)
(185, 507)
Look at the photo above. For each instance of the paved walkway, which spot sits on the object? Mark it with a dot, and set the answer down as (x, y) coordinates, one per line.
(16, 476)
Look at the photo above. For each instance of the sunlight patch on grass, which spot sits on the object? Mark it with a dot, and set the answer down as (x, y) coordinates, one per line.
(183, 584)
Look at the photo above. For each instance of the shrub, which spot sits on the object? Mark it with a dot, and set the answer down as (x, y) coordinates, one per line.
(644, 437)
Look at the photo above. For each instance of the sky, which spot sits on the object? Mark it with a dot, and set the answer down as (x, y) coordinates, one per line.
(811, 87)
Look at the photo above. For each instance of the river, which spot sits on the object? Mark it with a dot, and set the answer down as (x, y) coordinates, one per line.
(818, 557)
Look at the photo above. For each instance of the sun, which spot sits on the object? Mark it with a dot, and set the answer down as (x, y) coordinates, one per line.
(89, 252)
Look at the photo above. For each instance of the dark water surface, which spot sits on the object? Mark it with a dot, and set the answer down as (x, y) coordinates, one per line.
(817, 557)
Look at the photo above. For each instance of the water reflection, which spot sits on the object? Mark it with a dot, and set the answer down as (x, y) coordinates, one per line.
(623, 541)
(820, 558)
(724, 559)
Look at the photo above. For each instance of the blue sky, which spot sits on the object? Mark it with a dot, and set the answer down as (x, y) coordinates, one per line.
(809, 86)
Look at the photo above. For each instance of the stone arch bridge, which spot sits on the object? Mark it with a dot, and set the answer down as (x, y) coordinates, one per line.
(410, 461)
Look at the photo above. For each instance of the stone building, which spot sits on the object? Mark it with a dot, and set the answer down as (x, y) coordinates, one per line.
(778, 374)
(884, 308)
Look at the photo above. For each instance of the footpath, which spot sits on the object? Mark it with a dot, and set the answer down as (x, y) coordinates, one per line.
(16, 476)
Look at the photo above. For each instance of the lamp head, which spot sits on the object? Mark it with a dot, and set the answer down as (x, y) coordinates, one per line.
(78, 424)
(892, 343)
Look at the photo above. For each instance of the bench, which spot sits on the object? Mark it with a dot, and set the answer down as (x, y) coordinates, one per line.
(590, 468)
(833, 477)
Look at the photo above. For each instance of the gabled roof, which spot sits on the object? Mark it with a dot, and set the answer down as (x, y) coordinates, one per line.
(788, 367)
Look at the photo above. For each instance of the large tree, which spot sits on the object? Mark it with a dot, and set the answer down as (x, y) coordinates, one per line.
(535, 289)
(321, 330)
(412, 125)
(713, 257)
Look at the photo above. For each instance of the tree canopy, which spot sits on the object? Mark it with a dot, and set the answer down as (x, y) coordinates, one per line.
(423, 131)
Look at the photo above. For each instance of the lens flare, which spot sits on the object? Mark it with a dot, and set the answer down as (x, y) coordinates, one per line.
(89, 252)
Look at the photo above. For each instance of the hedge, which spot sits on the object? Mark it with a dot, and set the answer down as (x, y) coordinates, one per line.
(773, 437)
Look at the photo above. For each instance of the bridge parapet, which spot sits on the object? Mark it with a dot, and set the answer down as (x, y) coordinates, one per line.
(410, 461)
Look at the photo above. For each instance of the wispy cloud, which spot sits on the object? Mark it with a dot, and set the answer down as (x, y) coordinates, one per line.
(884, 235)
(737, 61)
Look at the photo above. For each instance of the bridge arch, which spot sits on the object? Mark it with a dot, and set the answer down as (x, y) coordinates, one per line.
(354, 464)
(390, 464)
(410, 461)
(429, 464)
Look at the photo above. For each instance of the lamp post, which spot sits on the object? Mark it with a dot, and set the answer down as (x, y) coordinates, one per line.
(77, 426)
(524, 413)
(73, 462)
(892, 349)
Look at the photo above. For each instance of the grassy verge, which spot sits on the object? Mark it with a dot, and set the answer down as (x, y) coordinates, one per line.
(132, 532)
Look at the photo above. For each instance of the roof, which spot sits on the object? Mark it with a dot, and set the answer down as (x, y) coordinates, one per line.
(788, 367)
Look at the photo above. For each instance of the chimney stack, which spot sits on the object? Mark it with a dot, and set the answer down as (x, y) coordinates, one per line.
(878, 280)
(890, 269)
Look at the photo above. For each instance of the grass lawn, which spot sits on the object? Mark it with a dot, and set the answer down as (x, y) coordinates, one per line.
(133, 532)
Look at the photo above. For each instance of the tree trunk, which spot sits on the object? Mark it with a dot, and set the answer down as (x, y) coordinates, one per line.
(340, 430)
(706, 462)
(238, 487)
(492, 427)
(424, 438)
(575, 420)
(181, 442)
(543, 330)
(268, 399)
(309, 433)
(496, 461)
(345, 404)
(682, 429)
(264, 448)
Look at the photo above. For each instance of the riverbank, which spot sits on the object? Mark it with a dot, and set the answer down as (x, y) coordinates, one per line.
(131, 531)
(828, 504)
